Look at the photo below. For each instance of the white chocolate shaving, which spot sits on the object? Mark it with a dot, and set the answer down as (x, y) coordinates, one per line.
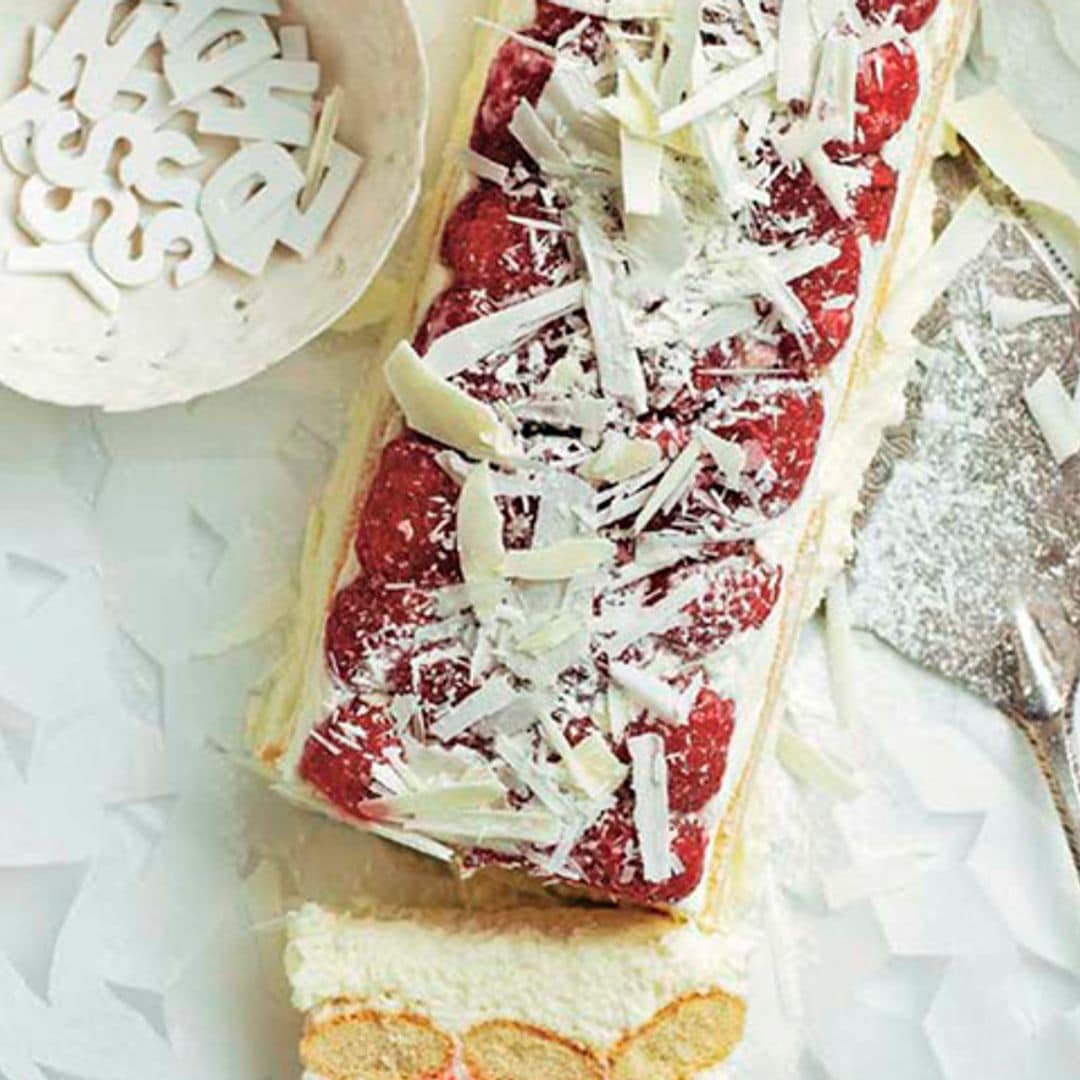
(648, 691)
(559, 561)
(620, 369)
(619, 713)
(796, 52)
(1011, 312)
(1056, 415)
(450, 801)
(719, 91)
(596, 770)
(480, 539)
(620, 458)
(437, 408)
(684, 39)
(652, 816)
(813, 766)
(1008, 146)
(838, 182)
(678, 477)
(466, 345)
(730, 457)
(723, 323)
(531, 132)
(963, 240)
(496, 694)
(549, 633)
(485, 168)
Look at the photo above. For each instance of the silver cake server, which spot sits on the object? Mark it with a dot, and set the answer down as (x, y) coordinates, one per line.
(969, 545)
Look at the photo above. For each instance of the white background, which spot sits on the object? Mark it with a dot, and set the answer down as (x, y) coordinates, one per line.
(927, 927)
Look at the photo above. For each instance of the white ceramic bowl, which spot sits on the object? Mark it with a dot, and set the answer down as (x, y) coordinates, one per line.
(168, 345)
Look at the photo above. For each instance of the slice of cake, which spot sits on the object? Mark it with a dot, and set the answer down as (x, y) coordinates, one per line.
(550, 594)
(533, 994)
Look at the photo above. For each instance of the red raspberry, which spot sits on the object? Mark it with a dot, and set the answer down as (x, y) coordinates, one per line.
(488, 251)
(340, 755)
(911, 14)
(784, 431)
(712, 373)
(441, 684)
(407, 527)
(874, 203)
(798, 208)
(886, 90)
(553, 21)
(743, 590)
(370, 632)
(450, 309)
(517, 73)
(829, 295)
(457, 307)
(611, 862)
(696, 751)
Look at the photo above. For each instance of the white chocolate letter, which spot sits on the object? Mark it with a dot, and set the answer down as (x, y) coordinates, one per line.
(84, 35)
(190, 13)
(224, 46)
(263, 115)
(303, 231)
(72, 260)
(112, 248)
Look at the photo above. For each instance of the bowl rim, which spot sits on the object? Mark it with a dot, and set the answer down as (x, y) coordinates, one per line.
(127, 397)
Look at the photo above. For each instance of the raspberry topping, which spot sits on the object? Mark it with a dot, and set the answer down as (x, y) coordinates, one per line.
(452, 308)
(488, 251)
(609, 857)
(886, 91)
(828, 294)
(874, 203)
(755, 389)
(798, 208)
(369, 634)
(911, 14)
(442, 683)
(696, 751)
(519, 374)
(553, 20)
(712, 373)
(406, 531)
(518, 73)
(340, 755)
(783, 433)
(742, 591)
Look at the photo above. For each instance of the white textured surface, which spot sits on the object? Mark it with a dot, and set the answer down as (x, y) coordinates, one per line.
(145, 563)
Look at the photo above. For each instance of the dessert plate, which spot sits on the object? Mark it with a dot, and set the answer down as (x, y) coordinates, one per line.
(166, 345)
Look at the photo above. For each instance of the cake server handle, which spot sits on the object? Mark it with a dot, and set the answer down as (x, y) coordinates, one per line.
(1048, 653)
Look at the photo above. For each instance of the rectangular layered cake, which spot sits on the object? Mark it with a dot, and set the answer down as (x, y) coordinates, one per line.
(549, 596)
